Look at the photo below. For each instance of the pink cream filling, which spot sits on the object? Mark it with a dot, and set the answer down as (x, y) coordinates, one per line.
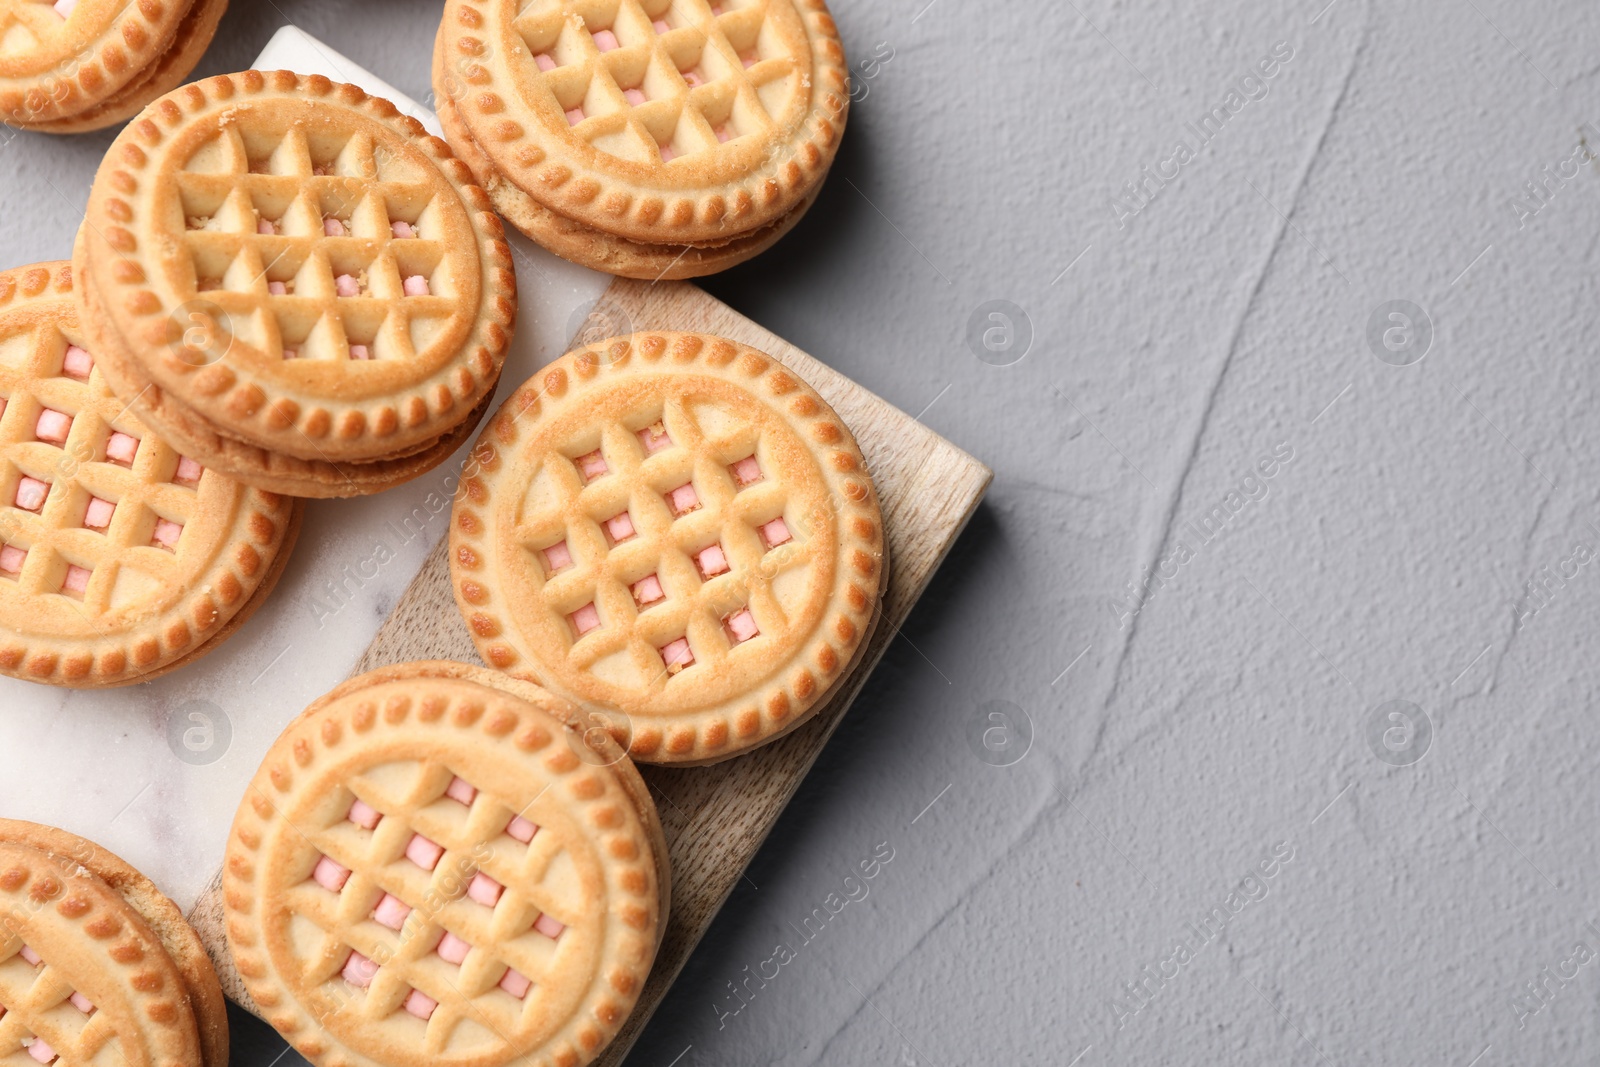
(363, 814)
(122, 448)
(166, 534)
(461, 791)
(416, 285)
(485, 890)
(667, 154)
(515, 984)
(585, 619)
(634, 96)
(346, 285)
(76, 581)
(654, 438)
(12, 558)
(277, 289)
(330, 874)
(575, 115)
(41, 1051)
(683, 499)
(693, 77)
(266, 228)
(676, 655)
(522, 829)
(711, 561)
(423, 853)
(724, 134)
(290, 352)
(97, 516)
(620, 527)
(64, 7)
(358, 970)
(558, 557)
(420, 1004)
(188, 471)
(78, 363)
(53, 426)
(360, 352)
(647, 591)
(544, 62)
(31, 493)
(391, 911)
(452, 949)
(591, 465)
(740, 626)
(747, 471)
(660, 25)
(81, 1002)
(30, 956)
(775, 533)
(332, 227)
(402, 230)
(606, 41)
(549, 926)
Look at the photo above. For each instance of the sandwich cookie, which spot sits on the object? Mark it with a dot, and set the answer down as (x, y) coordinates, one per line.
(121, 557)
(433, 865)
(96, 965)
(295, 283)
(647, 138)
(675, 532)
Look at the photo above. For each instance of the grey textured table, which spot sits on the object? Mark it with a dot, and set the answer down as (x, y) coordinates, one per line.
(1251, 720)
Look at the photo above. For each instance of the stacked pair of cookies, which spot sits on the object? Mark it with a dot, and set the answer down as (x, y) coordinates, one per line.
(96, 965)
(647, 138)
(71, 67)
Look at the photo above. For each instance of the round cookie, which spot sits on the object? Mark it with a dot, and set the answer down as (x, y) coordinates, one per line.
(649, 138)
(120, 557)
(433, 863)
(304, 280)
(178, 938)
(676, 533)
(79, 65)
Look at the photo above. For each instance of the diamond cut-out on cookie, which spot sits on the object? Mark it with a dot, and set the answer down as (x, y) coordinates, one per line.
(683, 500)
(585, 620)
(52, 426)
(330, 874)
(557, 558)
(485, 890)
(358, 970)
(515, 983)
(654, 438)
(452, 949)
(647, 591)
(711, 561)
(619, 528)
(12, 560)
(97, 513)
(775, 533)
(77, 363)
(461, 791)
(746, 472)
(31, 493)
(363, 814)
(677, 655)
(423, 852)
(391, 911)
(549, 926)
(521, 829)
(740, 627)
(591, 465)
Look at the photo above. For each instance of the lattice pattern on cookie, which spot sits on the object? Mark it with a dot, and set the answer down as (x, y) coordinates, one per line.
(44, 1017)
(326, 246)
(648, 545)
(658, 80)
(91, 506)
(434, 898)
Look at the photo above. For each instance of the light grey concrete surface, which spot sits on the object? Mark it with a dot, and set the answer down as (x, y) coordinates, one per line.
(1412, 889)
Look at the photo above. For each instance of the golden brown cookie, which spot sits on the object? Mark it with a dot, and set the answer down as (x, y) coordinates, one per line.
(676, 533)
(71, 66)
(120, 557)
(650, 138)
(294, 279)
(85, 860)
(434, 865)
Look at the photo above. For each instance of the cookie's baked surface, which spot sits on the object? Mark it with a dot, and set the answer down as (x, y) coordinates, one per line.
(675, 532)
(119, 556)
(433, 867)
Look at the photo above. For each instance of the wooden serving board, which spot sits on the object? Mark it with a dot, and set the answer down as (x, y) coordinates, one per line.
(715, 817)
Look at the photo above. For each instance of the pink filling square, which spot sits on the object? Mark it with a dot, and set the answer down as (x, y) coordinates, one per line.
(415, 285)
(29, 956)
(64, 7)
(360, 352)
(683, 499)
(591, 465)
(452, 949)
(544, 62)
(403, 230)
(667, 154)
(332, 227)
(647, 591)
(391, 911)
(358, 970)
(291, 352)
(330, 874)
(97, 516)
(549, 926)
(747, 471)
(694, 78)
(206, 285)
(423, 853)
(724, 133)
(485, 890)
(585, 619)
(775, 533)
(515, 984)
(122, 448)
(12, 558)
(81, 1002)
(461, 791)
(167, 533)
(277, 289)
(619, 527)
(420, 1004)
(346, 285)
(522, 829)
(606, 41)
(634, 96)
(654, 438)
(76, 581)
(188, 471)
(557, 557)
(363, 814)
(711, 561)
(41, 1051)
(749, 59)
(575, 115)
(77, 364)
(661, 26)
(31, 493)
(740, 626)
(676, 655)
(321, 170)
(266, 228)
(53, 426)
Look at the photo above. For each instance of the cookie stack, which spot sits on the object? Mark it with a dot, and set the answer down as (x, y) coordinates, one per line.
(96, 965)
(676, 534)
(645, 138)
(294, 284)
(71, 67)
(121, 557)
(432, 858)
